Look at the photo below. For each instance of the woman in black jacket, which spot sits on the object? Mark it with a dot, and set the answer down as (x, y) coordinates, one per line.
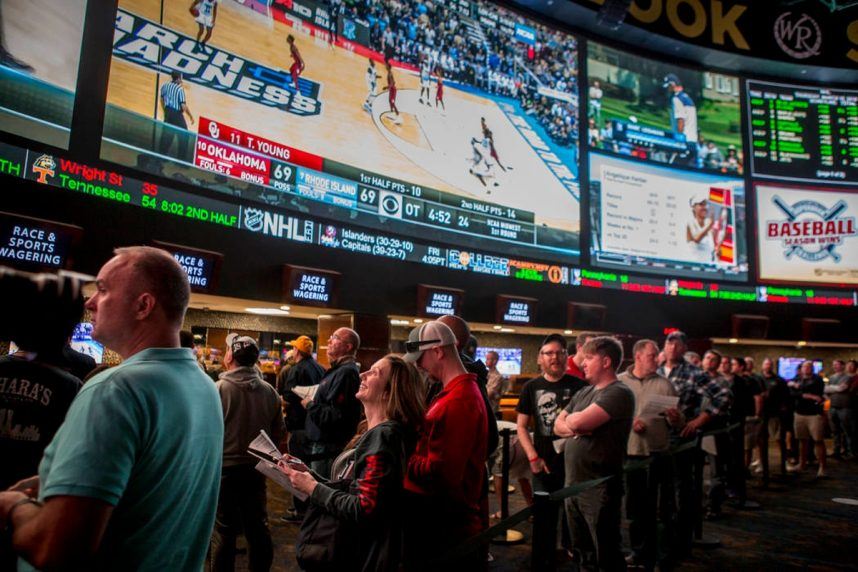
(392, 398)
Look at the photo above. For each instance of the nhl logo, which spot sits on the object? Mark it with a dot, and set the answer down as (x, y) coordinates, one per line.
(253, 219)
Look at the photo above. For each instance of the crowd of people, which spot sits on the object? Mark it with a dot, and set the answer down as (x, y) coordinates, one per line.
(481, 55)
(150, 465)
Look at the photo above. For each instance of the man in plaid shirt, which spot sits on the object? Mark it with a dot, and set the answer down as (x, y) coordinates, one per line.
(703, 401)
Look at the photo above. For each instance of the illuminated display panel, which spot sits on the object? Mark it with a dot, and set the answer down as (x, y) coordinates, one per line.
(801, 133)
(310, 286)
(509, 359)
(100, 185)
(475, 147)
(515, 310)
(807, 235)
(201, 266)
(34, 244)
(38, 67)
(662, 112)
(434, 301)
(649, 218)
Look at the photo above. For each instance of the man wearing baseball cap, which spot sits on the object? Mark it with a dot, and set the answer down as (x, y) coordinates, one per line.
(250, 405)
(683, 112)
(305, 372)
(445, 474)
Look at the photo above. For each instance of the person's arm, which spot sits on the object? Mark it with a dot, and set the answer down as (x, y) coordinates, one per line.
(278, 425)
(522, 425)
(214, 14)
(587, 420)
(378, 481)
(696, 424)
(65, 533)
(187, 111)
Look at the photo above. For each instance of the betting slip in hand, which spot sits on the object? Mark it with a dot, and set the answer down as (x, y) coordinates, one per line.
(658, 404)
(264, 449)
(305, 391)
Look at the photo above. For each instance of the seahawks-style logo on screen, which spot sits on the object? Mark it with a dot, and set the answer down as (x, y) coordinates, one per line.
(811, 230)
(163, 50)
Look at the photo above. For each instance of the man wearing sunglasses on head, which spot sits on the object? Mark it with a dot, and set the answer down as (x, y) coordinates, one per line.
(446, 473)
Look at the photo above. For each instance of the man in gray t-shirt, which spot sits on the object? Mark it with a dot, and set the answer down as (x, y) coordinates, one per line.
(597, 423)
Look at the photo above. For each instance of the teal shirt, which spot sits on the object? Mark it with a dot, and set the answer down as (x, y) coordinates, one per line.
(146, 437)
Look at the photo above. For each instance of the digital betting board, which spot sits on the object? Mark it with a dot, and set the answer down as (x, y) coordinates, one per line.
(431, 141)
(101, 185)
(34, 244)
(666, 221)
(201, 266)
(434, 301)
(41, 42)
(802, 133)
(662, 112)
(515, 310)
(310, 286)
(807, 235)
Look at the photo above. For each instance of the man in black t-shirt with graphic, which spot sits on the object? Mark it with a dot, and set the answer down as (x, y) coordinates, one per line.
(542, 399)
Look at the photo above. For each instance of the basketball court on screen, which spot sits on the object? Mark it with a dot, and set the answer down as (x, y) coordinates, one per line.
(430, 148)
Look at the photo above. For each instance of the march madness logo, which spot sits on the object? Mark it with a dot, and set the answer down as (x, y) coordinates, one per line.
(160, 49)
(811, 230)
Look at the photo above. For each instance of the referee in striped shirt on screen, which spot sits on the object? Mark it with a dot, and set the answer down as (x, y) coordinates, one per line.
(175, 108)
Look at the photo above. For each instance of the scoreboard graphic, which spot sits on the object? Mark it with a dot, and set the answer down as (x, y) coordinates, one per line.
(322, 122)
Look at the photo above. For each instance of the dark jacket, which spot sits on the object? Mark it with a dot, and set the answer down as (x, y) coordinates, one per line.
(373, 504)
(306, 372)
(333, 415)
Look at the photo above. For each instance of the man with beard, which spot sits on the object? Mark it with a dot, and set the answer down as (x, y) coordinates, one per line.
(542, 399)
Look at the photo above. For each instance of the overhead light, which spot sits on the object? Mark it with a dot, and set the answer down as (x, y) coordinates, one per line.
(399, 322)
(497, 328)
(324, 316)
(802, 343)
(287, 308)
(567, 332)
(507, 330)
(733, 340)
(418, 320)
(267, 311)
(276, 341)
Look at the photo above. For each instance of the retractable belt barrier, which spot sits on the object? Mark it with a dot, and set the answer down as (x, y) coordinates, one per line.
(475, 542)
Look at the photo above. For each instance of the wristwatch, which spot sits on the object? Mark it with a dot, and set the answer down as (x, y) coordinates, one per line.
(26, 500)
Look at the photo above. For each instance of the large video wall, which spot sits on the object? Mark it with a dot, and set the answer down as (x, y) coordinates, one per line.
(450, 134)
(40, 45)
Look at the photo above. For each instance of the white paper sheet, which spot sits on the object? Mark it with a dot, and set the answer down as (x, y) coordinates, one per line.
(655, 405)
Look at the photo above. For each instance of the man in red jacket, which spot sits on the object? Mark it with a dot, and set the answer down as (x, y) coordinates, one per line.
(446, 472)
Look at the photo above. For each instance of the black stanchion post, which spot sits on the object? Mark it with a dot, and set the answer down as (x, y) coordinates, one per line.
(542, 557)
(505, 474)
(511, 536)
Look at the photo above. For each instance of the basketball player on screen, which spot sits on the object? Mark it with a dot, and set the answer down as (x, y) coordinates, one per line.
(481, 168)
(371, 84)
(391, 94)
(425, 78)
(205, 14)
(439, 89)
(297, 66)
(487, 134)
